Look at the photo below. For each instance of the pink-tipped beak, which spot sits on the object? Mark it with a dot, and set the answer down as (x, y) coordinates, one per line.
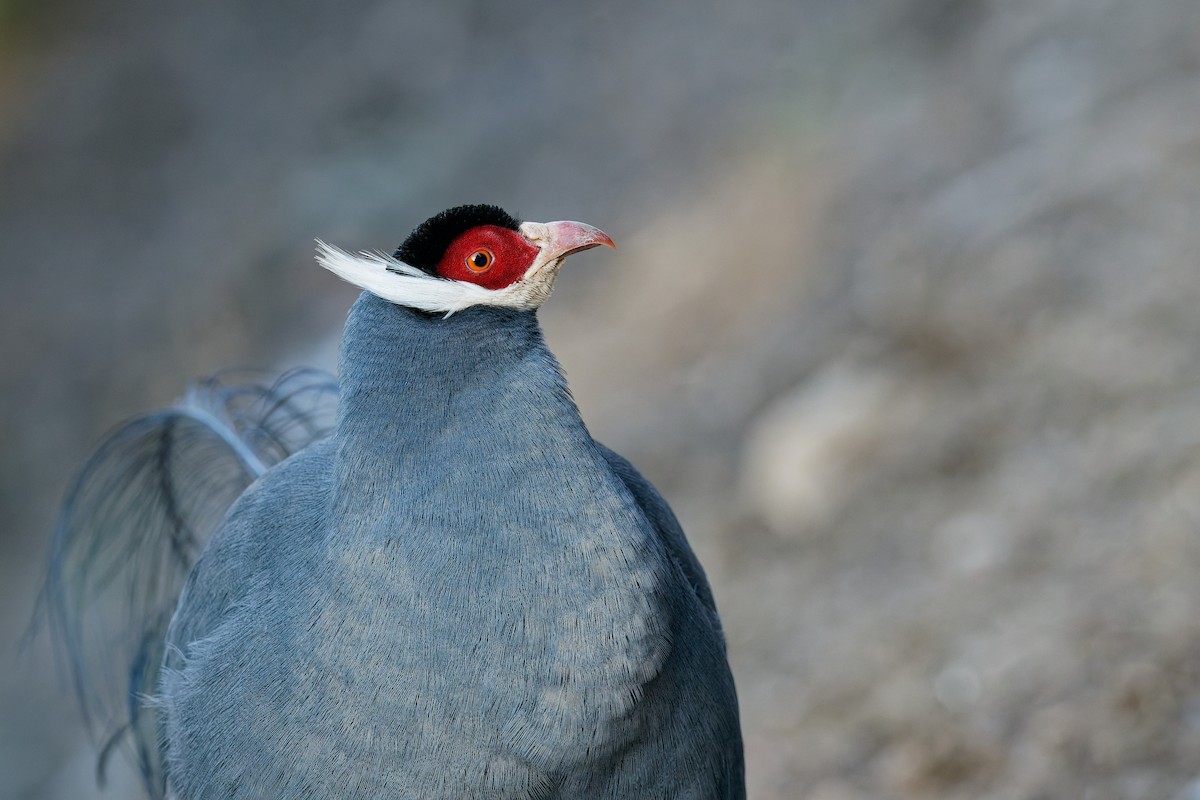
(566, 237)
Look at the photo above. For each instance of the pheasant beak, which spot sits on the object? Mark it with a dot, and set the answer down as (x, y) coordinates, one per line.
(557, 240)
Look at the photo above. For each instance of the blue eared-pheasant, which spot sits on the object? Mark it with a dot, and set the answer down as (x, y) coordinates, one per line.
(429, 581)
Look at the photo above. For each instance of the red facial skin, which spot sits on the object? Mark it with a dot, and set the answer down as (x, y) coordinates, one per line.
(507, 255)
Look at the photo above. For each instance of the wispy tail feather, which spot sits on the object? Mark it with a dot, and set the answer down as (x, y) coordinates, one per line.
(135, 520)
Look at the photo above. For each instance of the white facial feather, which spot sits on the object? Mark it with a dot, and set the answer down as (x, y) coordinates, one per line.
(405, 285)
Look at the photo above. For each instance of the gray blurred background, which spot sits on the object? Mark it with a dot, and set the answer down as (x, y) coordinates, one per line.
(905, 323)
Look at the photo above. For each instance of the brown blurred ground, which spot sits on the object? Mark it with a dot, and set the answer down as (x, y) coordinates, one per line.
(904, 323)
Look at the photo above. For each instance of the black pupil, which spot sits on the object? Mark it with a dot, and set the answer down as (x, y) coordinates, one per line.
(479, 260)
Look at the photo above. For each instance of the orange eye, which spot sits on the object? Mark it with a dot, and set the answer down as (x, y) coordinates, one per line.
(479, 261)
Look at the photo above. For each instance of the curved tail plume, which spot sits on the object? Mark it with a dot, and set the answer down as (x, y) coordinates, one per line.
(134, 522)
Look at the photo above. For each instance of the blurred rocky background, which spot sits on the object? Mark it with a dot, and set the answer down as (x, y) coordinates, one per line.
(905, 322)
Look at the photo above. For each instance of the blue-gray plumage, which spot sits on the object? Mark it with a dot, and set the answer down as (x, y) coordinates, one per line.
(456, 594)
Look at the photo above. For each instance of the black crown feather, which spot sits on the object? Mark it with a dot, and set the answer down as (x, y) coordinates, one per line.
(425, 246)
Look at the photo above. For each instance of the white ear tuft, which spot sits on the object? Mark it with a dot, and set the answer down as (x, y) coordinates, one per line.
(400, 283)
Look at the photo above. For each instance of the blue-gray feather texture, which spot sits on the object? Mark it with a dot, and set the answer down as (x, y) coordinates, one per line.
(458, 594)
(133, 523)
